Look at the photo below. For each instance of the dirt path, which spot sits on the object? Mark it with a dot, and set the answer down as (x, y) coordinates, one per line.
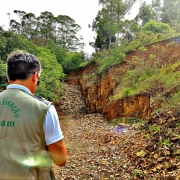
(96, 150)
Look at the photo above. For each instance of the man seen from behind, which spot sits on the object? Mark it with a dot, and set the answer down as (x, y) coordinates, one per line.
(30, 133)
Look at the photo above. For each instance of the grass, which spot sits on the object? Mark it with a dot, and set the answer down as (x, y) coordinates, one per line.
(125, 120)
(147, 77)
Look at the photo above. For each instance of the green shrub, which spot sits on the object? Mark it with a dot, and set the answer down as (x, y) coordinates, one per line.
(3, 77)
(52, 72)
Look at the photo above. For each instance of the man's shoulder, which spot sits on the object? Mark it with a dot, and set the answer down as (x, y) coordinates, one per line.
(39, 98)
(43, 100)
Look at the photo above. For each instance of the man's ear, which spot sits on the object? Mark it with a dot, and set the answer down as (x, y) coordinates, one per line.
(34, 76)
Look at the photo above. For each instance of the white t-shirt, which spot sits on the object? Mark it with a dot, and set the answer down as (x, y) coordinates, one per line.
(51, 127)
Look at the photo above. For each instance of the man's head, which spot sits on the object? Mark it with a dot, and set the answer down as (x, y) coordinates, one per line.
(24, 69)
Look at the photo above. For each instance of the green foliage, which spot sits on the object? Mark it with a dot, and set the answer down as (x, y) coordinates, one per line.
(61, 55)
(126, 92)
(145, 13)
(107, 59)
(104, 30)
(73, 61)
(142, 48)
(172, 102)
(52, 72)
(10, 42)
(147, 77)
(155, 129)
(62, 29)
(3, 77)
(165, 142)
(155, 27)
(152, 56)
(125, 120)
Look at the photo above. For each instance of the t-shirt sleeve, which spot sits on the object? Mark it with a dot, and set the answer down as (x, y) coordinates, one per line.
(52, 127)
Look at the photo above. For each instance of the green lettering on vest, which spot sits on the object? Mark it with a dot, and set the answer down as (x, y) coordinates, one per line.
(10, 123)
(13, 108)
(16, 115)
(17, 110)
(11, 105)
(3, 123)
(8, 102)
(5, 101)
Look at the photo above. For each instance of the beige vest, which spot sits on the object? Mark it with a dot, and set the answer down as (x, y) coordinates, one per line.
(23, 153)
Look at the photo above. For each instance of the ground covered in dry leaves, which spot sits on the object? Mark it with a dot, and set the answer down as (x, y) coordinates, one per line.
(99, 151)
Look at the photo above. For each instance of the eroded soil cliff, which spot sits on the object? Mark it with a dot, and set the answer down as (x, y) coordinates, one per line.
(98, 94)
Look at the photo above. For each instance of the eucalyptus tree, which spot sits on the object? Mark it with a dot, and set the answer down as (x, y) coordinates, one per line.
(67, 34)
(129, 30)
(117, 10)
(104, 33)
(17, 27)
(62, 29)
(26, 26)
(171, 12)
(157, 9)
(145, 14)
(46, 26)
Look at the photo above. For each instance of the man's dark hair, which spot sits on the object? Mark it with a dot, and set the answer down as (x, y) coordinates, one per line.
(21, 64)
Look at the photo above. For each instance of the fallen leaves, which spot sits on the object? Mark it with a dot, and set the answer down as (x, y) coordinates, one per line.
(141, 153)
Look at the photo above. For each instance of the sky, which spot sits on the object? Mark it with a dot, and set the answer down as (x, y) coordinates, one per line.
(82, 11)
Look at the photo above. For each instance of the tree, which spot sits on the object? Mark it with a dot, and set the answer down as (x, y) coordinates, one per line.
(171, 12)
(145, 14)
(10, 42)
(52, 72)
(3, 77)
(155, 27)
(62, 29)
(101, 26)
(117, 9)
(61, 54)
(46, 26)
(129, 30)
(73, 61)
(157, 9)
(66, 34)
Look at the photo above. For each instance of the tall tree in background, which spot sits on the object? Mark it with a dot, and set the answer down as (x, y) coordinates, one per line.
(66, 33)
(101, 26)
(129, 30)
(26, 26)
(171, 12)
(112, 15)
(61, 29)
(46, 26)
(117, 10)
(145, 14)
(108, 5)
(157, 9)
